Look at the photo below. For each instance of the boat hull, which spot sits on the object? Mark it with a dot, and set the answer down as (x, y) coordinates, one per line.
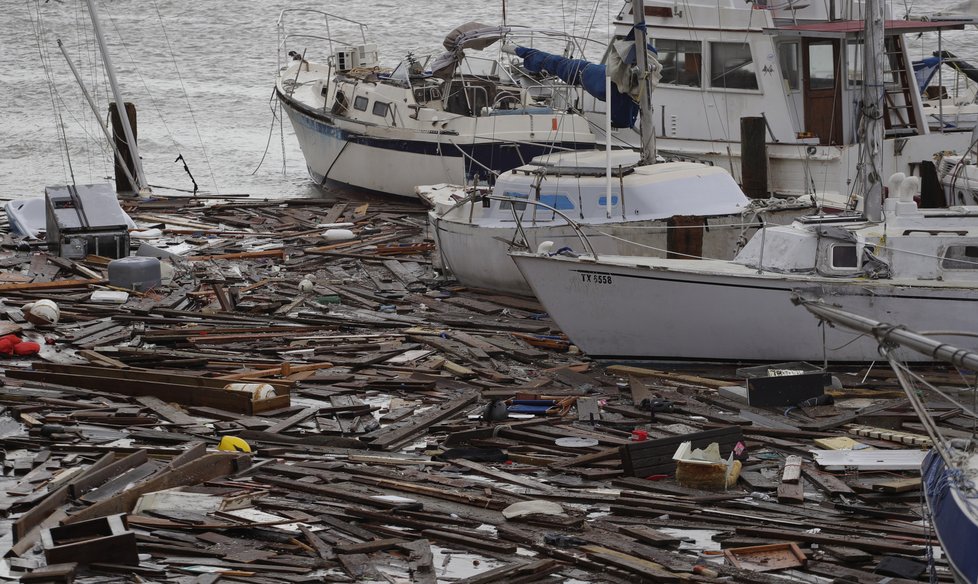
(396, 160)
(956, 528)
(478, 255)
(648, 311)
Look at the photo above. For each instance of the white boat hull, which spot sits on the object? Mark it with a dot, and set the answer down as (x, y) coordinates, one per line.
(478, 255)
(335, 155)
(413, 144)
(645, 310)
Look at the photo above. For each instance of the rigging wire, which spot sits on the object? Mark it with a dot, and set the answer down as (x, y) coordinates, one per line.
(271, 130)
(38, 29)
(190, 108)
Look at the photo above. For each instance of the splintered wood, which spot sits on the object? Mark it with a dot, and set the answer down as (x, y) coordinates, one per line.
(289, 408)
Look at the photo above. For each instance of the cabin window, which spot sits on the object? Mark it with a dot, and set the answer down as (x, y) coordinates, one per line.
(789, 57)
(844, 256)
(514, 205)
(682, 62)
(559, 202)
(426, 94)
(381, 108)
(960, 257)
(360, 103)
(821, 67)
(731, 66)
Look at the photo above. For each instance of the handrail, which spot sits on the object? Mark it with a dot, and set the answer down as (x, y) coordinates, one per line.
(280, 27)
(477, 196)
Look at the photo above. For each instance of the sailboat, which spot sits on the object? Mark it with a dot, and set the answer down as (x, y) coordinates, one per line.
(454, 117)
(624, 201)
(949, 469)
(916, 266)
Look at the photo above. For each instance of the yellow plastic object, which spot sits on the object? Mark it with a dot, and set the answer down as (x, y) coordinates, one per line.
(233, 444)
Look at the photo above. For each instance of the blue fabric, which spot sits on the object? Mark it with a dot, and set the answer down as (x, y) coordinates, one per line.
(924, 71)
(590, 76)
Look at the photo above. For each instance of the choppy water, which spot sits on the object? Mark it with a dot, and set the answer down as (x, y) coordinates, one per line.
(201, 75)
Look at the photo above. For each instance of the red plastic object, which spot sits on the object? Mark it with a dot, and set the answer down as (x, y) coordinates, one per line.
(639, 435)
(26, 348)
(7, 344)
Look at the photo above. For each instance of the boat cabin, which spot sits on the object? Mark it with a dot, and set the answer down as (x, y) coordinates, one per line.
(912, 243)
(797, 65)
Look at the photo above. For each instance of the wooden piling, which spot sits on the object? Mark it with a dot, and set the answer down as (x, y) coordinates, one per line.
(122, 184)
(753, 157)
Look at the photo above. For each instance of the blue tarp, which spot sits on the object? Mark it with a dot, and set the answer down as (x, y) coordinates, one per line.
(590, 76)
(924, 71)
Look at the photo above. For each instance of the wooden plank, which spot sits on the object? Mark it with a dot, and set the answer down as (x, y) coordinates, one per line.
(56, 285)
(98, 476)
(792, 469)
(166, 411)
(391, 438)
(205, 468)
(502, 475)
(294, 419)
(642, 567)
(626, 370)
(877, 544)
(478, 543)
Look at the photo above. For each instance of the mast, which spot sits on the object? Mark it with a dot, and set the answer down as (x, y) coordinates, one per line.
(141, 182)
(91, 104)
(872, 113)
(646, 130)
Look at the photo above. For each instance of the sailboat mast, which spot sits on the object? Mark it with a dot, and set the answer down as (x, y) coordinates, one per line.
(872, 114)
(642, 63)
(101, 124)
(119, 102)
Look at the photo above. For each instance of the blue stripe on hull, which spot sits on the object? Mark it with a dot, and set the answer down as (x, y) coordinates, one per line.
(498, 156)
(956, 527)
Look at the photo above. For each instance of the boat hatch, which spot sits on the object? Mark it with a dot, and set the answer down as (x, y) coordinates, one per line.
(838, 258)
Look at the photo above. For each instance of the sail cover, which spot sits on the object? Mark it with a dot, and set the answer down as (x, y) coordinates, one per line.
(626, 87)
(471, 35)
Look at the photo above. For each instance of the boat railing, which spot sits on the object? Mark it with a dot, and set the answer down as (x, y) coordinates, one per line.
(284, 36)
(520, 239)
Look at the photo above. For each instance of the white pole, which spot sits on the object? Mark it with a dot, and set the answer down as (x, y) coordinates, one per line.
(119, 102)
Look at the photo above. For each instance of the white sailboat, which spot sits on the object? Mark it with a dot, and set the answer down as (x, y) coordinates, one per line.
(624, 201)
(446, 118)
(916, 266)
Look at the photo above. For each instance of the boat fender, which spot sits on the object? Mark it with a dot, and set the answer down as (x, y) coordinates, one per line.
(43, 312)
(496, 411)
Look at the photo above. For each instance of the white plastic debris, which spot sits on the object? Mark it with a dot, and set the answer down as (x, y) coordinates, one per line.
(338, 235)
(532, 507)
(43, 312)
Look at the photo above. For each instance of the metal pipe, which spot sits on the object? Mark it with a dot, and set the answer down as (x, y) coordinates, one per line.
(890, 333)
